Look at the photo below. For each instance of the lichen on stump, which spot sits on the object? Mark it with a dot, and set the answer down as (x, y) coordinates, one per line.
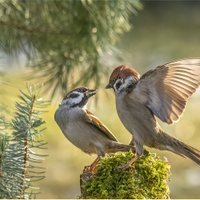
(147, 179)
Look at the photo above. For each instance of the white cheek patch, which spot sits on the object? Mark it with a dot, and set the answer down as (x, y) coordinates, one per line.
(129, 81)
(73, 101)
(78, 99)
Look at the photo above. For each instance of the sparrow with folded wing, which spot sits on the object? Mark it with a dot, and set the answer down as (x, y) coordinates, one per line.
(162, 92)
(85, 130)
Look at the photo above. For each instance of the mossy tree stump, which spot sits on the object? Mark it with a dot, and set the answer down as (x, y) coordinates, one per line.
(146, 179)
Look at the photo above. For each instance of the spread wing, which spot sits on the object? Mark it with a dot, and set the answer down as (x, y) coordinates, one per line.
(166, 89)
(93, 120)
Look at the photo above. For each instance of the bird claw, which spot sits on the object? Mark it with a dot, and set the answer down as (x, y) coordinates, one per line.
(129, 164)
(87, 169)
(90, 169)
(126, 166)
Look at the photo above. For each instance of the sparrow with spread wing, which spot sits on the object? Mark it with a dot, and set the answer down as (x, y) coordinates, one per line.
(161, 92)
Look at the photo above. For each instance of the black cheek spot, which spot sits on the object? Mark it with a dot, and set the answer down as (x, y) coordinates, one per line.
(73, 95)
(118, 85)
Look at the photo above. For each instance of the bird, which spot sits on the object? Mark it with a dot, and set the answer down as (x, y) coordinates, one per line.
(84, 129)
(162, 92)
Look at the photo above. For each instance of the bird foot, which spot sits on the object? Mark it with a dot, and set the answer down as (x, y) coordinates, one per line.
(129, 164)
(126, 166)
(86, 169)
(90, 169)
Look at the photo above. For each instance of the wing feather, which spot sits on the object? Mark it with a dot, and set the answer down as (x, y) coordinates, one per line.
(167, 88)
(94, 121)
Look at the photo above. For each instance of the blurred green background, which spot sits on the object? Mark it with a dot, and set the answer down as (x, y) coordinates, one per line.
(162, 32)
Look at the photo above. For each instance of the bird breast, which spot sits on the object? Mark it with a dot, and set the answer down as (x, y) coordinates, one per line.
(79, 132)
(137, 119)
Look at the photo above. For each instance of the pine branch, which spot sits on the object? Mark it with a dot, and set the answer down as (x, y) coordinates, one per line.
(65, 40)
(26, 147)
(4, 138)
(26, 150)
(21, 166)
(3, 143)
(25, 167)
(33, 30)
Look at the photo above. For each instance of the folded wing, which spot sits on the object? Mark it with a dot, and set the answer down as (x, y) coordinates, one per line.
(93, 120)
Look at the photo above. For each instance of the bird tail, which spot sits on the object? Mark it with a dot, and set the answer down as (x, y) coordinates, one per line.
(190, 152)
(184, 150)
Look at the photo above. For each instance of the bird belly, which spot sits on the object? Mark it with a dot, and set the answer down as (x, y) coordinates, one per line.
(74, 130)
(139, 121)
(130, 122)
(79, 136)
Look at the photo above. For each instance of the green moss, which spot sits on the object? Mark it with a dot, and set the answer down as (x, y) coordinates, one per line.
(148, 178)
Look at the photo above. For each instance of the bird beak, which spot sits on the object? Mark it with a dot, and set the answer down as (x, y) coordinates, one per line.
(108, 86)
(90, 93)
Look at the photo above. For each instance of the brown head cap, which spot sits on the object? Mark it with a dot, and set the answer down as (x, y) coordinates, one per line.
(123, 72)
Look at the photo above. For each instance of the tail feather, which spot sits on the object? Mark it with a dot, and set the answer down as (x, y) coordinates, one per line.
(191, 152)
(172, 144)
(188, 151)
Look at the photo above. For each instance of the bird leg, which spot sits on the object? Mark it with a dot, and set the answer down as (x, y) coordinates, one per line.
(91, 168)
(129, 164)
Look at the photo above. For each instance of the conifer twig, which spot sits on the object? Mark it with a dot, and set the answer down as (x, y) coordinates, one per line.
(26, 150)
(21, 167)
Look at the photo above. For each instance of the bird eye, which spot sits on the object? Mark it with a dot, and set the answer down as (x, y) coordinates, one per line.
(73, 95)
(82, 90)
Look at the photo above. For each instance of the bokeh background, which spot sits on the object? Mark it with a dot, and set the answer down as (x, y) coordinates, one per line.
(161, 32)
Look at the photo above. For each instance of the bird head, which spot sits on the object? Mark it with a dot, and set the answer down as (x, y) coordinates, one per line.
(78, 97)
(122, 77)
